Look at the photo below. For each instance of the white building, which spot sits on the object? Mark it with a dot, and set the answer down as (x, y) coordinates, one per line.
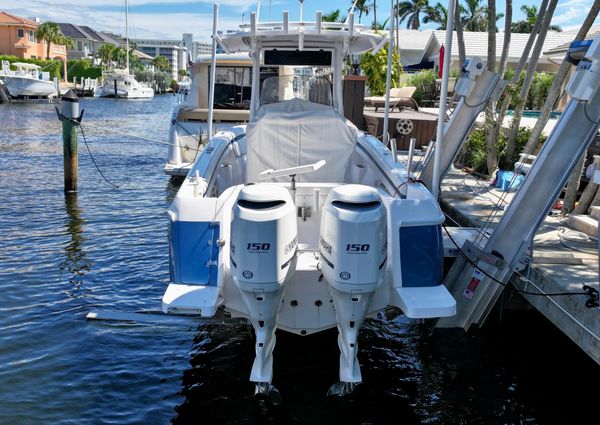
(179, 53)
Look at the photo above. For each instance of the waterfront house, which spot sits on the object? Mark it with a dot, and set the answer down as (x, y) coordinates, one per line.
(17, 38)
(421, 49)
(86, 40)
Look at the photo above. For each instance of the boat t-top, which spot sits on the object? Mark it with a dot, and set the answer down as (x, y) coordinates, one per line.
(297, 220)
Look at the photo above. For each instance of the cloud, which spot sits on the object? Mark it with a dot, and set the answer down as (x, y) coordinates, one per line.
(578, 3)
(169, 25)
(570, 16)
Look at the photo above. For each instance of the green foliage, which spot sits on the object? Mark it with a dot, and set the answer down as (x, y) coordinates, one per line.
(161, 63)
(540, 86)
(424, 81)
(474, 155)
(82, 68)
(539, 90)
(173, 85)
(375, 68)
(54, 67)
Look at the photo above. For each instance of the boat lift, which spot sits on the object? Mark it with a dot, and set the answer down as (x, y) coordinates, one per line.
(474, 283)
(476, 87)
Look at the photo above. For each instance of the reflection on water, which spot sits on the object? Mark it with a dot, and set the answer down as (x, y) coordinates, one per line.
(76, 263)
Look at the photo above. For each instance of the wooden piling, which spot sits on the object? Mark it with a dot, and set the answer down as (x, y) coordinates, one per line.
(116, 94)
(70, 112)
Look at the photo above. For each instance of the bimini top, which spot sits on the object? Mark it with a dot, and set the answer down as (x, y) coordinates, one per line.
(302, 35)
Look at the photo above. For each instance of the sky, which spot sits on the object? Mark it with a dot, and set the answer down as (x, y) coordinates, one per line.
(168, 19)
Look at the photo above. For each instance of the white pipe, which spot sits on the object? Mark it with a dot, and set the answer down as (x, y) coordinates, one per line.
(388, 81)
(253, 23)
(435, 185)
(318, 22)
(411, 151)
(316, 195)
(285, 21)
(351, 24)
(213, 68)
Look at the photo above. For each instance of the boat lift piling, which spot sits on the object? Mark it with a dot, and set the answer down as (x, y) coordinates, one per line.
(4, 98)
(70, 116)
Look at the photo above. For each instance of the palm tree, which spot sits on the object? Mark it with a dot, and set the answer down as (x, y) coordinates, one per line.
(362, 6)
(161, 63)
(118, 55)
(526, 25)
(437, 14)
(474, 18)
(50, 33)
(410, 11)
(105, 53)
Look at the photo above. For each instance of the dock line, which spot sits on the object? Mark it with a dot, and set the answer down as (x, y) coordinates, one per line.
(591, 293)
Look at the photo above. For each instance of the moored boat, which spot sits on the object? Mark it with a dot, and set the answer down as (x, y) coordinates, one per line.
(297, 220)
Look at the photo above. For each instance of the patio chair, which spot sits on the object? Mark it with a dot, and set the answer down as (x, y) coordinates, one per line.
(399, 97)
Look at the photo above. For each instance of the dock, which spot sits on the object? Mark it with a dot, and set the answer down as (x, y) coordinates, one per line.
(563, 260)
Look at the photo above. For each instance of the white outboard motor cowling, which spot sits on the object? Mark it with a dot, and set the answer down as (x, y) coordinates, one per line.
(264, 236)
(353, 244)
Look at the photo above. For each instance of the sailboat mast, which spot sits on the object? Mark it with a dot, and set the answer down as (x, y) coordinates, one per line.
(126, 37)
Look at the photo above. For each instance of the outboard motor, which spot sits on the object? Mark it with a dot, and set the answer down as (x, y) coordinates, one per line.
(353, 251)
(264, 238)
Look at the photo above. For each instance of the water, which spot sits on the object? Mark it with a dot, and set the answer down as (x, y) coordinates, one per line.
(107, 248)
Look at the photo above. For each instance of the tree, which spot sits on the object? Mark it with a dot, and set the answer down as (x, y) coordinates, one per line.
(559, 79)
(533, 60)
(526, 25)
(331, 16)
(475, 16)
(437, 14)
(410, 11)
(105, 53)
(49, 32)
(362, 6)
(161, 63)
(375, 68)
(118, 55)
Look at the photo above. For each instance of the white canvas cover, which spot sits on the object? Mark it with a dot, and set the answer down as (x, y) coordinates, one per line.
(298, 132)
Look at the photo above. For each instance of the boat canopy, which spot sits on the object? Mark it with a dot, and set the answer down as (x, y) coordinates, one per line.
(24, 65)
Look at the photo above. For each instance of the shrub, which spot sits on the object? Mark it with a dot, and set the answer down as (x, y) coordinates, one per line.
(82, 68)
(375, 68)
(424, 81)
(474, 155)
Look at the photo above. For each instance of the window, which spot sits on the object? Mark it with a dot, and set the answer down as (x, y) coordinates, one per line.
(20, 32)
(32, 38)
(80, 46)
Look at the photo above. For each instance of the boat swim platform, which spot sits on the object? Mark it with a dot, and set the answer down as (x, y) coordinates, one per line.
(559, 263)
(423, 125)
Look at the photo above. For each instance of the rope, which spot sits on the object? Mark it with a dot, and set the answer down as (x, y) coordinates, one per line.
(588, 291)
(93, 160)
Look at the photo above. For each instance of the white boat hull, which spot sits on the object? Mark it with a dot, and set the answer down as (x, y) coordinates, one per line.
(24, 86)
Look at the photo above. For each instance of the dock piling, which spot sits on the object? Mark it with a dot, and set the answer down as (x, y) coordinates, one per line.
(70, 113)
(116, 94)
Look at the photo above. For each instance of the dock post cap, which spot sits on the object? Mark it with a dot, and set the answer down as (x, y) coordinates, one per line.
(70, 96)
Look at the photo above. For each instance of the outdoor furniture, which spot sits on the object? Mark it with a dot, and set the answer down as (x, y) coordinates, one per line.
(399, 97)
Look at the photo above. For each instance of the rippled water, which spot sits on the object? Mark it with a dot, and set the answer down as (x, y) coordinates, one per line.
(61, 256)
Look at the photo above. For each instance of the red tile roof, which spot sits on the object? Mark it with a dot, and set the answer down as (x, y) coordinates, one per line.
(8, 19)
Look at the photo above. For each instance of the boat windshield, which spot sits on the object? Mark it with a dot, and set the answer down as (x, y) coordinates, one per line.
(301, 83)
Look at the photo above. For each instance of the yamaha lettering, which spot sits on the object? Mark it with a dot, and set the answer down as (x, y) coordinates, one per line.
(326, 245)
